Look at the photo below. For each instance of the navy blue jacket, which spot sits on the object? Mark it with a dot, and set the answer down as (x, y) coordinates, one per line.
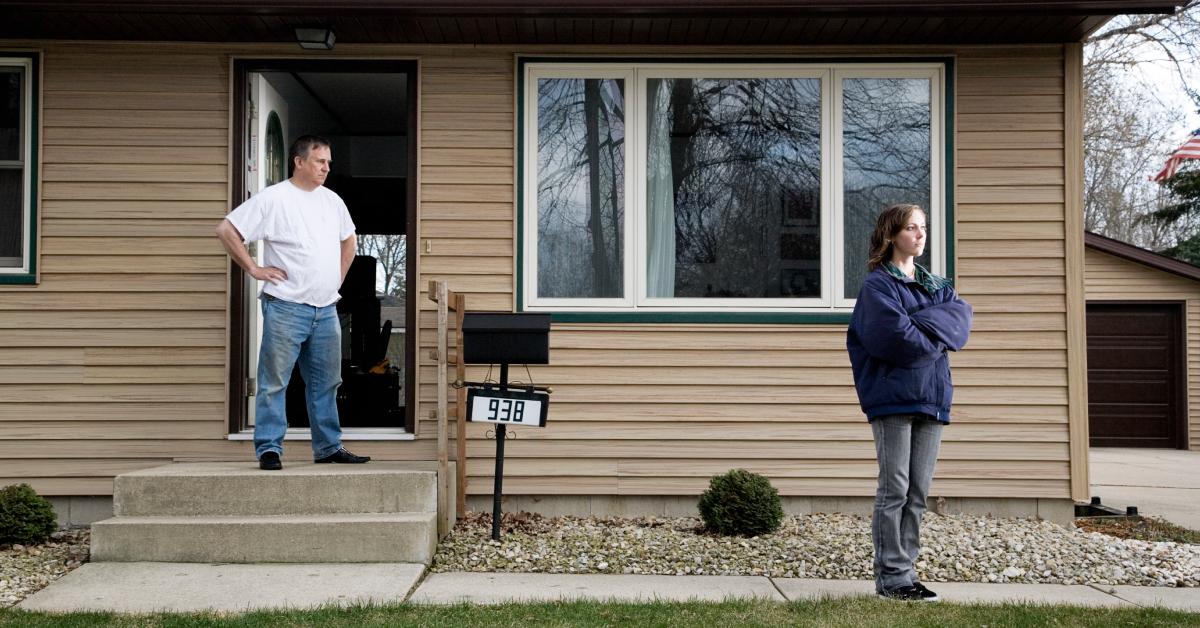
(898, 341)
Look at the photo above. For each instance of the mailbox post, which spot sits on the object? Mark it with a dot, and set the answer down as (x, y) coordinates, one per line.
(505, 338)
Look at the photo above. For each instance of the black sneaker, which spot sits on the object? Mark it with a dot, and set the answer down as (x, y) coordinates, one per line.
(926, 594)
(342, 456)
(270, 462)
(907, 593)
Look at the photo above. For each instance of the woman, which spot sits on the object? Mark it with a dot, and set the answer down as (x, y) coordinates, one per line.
(904, 322)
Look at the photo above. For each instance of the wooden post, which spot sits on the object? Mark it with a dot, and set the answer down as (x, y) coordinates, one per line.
(438, 290)
(460, 407)
(448, 300)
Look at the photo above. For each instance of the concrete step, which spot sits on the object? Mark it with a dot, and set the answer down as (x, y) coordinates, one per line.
(240, 488)
(324, 538)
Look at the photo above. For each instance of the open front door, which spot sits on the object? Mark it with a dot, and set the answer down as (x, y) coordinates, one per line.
(363, 109)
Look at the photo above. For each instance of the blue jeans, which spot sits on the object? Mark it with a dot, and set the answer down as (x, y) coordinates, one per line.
(311, 336)
(907, 448)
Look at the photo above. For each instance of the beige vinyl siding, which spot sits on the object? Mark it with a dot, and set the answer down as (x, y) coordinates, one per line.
(643, 409)
(1111, 278)
(1011, 243)
(122, 341)
(117, 359)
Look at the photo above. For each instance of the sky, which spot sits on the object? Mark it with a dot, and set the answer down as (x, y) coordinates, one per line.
(1155, 72)
(1164, 76)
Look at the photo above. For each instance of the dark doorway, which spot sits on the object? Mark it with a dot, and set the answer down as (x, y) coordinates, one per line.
(1135, 375)
(367, 111)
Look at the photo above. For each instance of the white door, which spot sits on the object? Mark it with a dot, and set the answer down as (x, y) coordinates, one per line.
(267, 150)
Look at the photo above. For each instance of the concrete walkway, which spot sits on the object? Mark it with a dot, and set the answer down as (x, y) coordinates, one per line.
(190, 587)
(1160, 482)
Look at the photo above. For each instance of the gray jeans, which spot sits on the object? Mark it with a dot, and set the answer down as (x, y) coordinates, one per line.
(907, 448)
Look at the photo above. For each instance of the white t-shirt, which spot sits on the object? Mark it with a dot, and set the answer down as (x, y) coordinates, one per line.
(302, 233)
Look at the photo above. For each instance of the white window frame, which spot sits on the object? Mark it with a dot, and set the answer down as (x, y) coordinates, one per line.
(573, 71)
(935, 73)
(636, 75)
(26, 265)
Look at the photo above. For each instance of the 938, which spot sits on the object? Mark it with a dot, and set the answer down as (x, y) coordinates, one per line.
(506, 410)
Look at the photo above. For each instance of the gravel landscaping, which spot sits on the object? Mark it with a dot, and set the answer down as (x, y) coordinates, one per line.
(957, 548)
(25, 570)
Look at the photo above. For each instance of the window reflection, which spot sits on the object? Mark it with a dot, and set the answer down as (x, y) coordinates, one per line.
(733, 186)
(10, 114)
(12, 182)
(886, 160)
(12, 187)
(581, 188)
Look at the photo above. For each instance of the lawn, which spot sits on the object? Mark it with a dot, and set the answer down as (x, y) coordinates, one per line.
(860, 611)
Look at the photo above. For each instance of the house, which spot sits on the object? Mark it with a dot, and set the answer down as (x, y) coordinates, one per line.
(534, 157)
(1143, 347)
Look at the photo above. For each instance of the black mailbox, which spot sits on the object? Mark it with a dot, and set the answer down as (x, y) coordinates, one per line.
(506, 338)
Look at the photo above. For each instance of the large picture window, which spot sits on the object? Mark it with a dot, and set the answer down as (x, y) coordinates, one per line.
(16, 172)
(720, 187)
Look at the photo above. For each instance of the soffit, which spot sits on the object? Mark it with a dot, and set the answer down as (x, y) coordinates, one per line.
(591, 22)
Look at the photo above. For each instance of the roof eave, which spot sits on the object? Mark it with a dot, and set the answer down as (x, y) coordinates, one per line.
(632, 7)
(1142, 256)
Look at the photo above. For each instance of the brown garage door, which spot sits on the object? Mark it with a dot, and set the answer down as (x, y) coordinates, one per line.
(1135, 375)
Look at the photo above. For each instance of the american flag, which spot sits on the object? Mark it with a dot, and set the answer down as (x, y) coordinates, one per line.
(1189, 150)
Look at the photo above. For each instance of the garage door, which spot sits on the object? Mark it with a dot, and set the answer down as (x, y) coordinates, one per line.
(1135, 375)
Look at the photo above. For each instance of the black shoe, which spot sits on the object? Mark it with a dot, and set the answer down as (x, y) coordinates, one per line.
(270, 462)
(906, 593)
(342, 456)
(926, 594)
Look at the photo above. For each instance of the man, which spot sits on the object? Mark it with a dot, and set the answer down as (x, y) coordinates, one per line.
(309, 243)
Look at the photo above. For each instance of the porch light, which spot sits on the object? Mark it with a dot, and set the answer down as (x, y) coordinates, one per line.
(319, 38)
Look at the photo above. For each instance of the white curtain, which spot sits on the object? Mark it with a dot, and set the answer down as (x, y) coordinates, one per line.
(660, 195)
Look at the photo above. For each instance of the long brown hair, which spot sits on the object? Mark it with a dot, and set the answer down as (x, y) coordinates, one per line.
(889, 223)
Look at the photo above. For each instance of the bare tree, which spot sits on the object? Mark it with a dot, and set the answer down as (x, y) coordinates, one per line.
(390, 251)
(1129, 128)
(1126, 134)
(1129, 41)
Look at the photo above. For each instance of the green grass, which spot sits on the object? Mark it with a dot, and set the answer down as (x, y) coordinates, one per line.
(857, 611)
(1141, 528)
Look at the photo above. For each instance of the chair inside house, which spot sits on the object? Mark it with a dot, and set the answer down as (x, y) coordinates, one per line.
(370, 392)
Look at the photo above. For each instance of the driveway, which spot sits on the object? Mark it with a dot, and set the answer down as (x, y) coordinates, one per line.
(1160, 482)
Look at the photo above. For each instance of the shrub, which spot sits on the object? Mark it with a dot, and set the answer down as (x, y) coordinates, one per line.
(25, 516)
(740, 502)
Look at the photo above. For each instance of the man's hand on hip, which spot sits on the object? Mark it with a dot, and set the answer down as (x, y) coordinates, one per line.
(268, 273)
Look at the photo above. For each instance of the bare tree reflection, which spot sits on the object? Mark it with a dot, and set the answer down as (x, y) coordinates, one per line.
(746, 167)
(886, 160)
(733, 178)
(581, 181)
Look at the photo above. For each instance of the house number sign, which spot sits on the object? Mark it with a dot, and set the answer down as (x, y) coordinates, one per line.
(507, 407)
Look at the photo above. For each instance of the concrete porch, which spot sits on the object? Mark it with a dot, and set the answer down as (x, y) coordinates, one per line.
(233, 512)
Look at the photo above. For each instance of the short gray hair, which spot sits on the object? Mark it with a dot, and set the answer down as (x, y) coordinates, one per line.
(304, 144)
